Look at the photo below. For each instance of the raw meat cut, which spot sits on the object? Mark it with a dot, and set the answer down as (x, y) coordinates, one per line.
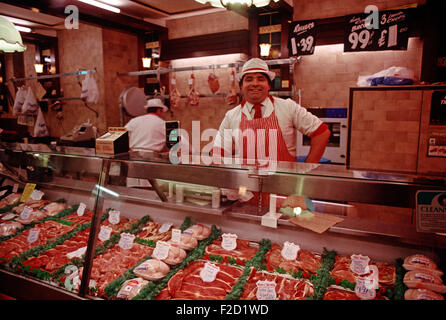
(186, 284)
(244, 251)
(306, 260)
(286, 287)
(193, 97)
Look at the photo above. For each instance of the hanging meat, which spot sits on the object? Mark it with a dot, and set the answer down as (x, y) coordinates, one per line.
(193, 97)
(232, 97)
(214, 85)
(175, 96)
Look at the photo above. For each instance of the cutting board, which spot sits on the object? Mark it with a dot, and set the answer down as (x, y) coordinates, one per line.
(317, 222)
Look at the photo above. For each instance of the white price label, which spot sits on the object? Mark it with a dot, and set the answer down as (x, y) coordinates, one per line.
(176, 236)
(359, 264)
(161, 250)
(191, 81)
(72, 280)
(92, 284)
(70, 268)
(126, 241)
(266, 290)
(173, 81)
(364, 288)
(104, 233)
(209, 272)
(33, 235)
(114, 216)
(36, 195)
(165, 227)
(229, 241)
(15, 187)
(24, 215)
(81, 209)
(290, 250)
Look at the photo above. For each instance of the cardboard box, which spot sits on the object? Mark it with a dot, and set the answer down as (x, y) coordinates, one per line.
(116, 140)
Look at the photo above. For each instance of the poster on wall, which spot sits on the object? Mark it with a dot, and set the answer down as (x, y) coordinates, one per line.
(431, 209)
(389, 32)
(302, 37)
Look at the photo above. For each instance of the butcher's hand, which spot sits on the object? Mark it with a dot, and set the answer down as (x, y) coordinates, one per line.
(317, 147)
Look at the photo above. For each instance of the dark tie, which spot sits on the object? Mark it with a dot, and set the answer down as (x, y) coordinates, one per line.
(258, 111)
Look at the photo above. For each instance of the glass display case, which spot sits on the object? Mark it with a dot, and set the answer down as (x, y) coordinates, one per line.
(130, 226)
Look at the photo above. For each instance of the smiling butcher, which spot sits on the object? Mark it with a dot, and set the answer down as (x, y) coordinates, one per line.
(264, 127)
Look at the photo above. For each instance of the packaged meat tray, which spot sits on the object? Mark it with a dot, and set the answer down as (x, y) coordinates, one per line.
(244, 250)
(48, 230)
(151, 232)
(286, 287)
(305, 261)
(340, 293)
(187, 284)
(58, 256)
(114, 262)
(341, 270)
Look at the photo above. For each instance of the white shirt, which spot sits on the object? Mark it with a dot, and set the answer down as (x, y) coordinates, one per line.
(290, 115)
(147, 132)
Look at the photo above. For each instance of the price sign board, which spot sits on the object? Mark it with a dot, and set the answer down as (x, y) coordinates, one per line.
(392, 31)
(302, 37)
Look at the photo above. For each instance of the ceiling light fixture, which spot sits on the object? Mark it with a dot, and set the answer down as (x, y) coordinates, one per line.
(228, 3)
(23, 29)
(10, 39)
(101, 5)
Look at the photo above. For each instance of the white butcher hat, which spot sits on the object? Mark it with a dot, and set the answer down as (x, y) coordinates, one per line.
(255, 65)
(155, 103)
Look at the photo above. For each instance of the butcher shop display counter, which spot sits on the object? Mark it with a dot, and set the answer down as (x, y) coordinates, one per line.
(143, 226)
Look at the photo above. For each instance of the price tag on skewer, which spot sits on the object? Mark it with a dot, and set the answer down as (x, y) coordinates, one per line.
(176, 236)
(33, 235)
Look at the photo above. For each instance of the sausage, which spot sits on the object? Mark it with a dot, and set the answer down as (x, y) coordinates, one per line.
(421, 262)
(422, 294)
(424, 280)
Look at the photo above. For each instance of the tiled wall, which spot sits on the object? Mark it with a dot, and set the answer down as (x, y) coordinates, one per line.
(79, 49)
(109, 52)
(385, 130)
(120, 52)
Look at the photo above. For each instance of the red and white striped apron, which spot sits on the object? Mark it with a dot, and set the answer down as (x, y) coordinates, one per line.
(279, 146)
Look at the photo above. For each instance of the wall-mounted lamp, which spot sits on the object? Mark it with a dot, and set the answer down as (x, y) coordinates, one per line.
(38, 67)
(146, 62)
(264, 49)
